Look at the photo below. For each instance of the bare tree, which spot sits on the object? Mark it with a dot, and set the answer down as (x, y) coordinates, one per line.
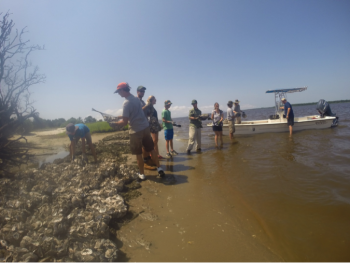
(16, 77)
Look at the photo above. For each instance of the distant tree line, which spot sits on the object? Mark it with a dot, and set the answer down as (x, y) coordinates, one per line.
(37, 123)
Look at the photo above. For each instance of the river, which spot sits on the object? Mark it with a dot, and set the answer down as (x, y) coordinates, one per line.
(265, 197)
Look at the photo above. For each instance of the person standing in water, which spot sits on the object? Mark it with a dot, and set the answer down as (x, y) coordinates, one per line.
(237, 112)
(194, 128)
(231, 119)
(288, 111)
(168, 129)
(154, 125)
(217, 116)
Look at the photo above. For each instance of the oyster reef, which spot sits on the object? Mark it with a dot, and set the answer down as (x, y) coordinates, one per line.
(66, 211)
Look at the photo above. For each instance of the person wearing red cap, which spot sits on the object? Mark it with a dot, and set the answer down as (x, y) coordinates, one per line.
(139, 128)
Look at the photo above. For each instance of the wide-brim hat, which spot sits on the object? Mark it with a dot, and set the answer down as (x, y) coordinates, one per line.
(71, 128)
(230, 102)
(236, 101)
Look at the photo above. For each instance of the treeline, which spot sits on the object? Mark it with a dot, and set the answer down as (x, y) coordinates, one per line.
(330, 102)
(38, 123)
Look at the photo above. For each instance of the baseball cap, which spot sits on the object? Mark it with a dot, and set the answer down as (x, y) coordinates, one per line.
(122, 85)
(141, 88)
(71, 128)
(167, 102)
(283, 99)
(194, 102)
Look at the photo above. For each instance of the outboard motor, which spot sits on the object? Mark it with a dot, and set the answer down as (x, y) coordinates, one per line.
(325, 110)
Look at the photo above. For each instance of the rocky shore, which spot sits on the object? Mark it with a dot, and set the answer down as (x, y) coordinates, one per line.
(68, 211)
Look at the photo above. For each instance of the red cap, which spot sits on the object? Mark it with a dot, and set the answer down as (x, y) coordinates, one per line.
(122, 85)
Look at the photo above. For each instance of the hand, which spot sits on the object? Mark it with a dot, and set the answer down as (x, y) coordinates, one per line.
(287, 116)
(73, 157)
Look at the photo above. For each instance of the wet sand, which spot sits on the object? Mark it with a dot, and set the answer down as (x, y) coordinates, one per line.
(193, 218)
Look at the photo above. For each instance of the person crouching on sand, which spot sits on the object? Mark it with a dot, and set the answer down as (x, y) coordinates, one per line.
(139, 129)
(194, 128)
(217, 116)
(77, 132)
(168, 129)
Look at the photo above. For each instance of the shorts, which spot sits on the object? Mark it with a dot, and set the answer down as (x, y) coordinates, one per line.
(231, 126)
(217, 128)
(87, 137)
(290, 121)
(139, 139)
(169, 134)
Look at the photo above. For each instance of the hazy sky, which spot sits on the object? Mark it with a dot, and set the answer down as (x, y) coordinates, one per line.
(212, 51)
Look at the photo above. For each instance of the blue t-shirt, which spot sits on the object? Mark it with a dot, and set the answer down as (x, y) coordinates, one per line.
(286, 107)
(81, 131)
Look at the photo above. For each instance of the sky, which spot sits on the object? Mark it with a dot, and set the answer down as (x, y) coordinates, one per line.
(180, 50)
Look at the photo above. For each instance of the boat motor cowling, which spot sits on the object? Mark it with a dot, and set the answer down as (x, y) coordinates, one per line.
(324, 109)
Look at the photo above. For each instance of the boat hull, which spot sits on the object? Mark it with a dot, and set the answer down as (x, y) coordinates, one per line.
(264, 126)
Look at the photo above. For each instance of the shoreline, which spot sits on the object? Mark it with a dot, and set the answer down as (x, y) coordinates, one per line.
(146, 213)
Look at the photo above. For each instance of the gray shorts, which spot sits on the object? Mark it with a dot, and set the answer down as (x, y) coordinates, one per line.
(139, 139)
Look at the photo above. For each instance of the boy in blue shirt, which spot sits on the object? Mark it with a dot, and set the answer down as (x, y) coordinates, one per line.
(168, 129)
(77, 132)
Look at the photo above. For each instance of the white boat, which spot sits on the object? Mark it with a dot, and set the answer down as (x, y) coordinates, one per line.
(277, 122)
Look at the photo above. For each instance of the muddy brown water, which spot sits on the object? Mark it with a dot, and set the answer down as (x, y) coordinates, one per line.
(266, 197)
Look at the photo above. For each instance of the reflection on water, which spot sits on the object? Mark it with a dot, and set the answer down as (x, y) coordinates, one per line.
(51, 158)
(297, 188)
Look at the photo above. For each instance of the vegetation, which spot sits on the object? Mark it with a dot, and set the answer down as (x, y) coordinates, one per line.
(16, 77)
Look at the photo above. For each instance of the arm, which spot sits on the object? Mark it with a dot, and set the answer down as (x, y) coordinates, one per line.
(72, 149)
(222, 117)
(123, 121)
(288, 113)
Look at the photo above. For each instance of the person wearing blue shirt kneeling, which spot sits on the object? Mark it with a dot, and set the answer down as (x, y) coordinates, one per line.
(77, 132)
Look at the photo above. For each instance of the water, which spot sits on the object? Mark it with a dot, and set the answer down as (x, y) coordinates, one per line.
(50, 158)
(296, 189)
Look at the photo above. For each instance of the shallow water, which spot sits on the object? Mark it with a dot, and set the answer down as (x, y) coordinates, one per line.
(265, 197)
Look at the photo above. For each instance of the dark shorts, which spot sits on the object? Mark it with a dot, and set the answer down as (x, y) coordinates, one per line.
(217, 128)
(87, 138)
(169, 134)
(290, 121)
(139, 139)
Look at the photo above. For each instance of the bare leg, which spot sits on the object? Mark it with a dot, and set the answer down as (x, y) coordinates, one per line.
(155, 141)
(155, 158)
(140, 163)
(92, 148)
(171, 145)
(290, 130)
(167, 146)
(216, 139)
(220, 135)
